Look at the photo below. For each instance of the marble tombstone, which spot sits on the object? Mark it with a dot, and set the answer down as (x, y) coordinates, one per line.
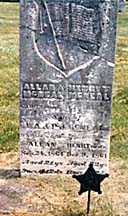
(67, 52)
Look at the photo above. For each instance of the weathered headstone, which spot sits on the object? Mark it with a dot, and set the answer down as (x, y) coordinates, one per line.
(122, 4)
(67, 60)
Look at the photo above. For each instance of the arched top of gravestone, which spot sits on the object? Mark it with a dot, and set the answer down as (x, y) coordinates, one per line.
(69, 36)
(63, 28)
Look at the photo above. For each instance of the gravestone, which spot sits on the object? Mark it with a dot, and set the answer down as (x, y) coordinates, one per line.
(67, 50)
(121, 7)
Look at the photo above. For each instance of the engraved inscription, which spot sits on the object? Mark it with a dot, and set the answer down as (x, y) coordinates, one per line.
(74, 21)
(67, 60)
(74, 91)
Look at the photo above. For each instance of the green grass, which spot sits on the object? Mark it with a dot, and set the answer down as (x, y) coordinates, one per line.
(9, 64)
(119, 138)
(9, 83)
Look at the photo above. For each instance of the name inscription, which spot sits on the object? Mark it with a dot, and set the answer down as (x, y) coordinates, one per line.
(70, 92)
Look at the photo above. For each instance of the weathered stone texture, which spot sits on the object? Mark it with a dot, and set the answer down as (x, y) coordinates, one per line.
(67, 62)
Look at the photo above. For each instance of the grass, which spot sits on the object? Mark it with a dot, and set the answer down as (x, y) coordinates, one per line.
(9, 83)
(119, 138)
(9, 70)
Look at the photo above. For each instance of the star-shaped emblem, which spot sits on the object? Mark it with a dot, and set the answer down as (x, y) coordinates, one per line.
(90, 181)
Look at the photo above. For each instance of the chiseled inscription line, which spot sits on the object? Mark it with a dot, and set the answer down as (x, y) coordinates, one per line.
(57, 91)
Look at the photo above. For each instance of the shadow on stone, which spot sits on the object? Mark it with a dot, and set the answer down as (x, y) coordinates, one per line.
(9, 173)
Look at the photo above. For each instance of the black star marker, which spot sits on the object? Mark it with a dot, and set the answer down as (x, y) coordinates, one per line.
(90, 181)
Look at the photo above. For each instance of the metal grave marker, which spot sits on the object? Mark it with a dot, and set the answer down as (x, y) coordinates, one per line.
(67, 50)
